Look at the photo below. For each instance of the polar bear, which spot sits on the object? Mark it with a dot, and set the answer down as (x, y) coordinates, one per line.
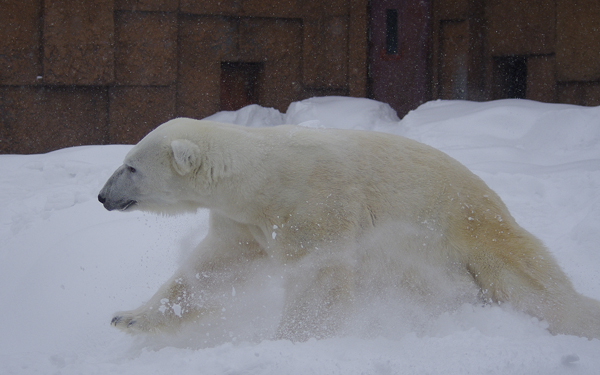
(315, 203)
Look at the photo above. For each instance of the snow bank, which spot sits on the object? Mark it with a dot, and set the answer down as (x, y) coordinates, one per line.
(66, 264)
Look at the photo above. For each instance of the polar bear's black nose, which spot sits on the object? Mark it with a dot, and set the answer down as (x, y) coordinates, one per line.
(101, 199)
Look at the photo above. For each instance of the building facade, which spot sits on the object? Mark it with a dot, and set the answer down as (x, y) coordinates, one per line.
(545, 50)
(109, 71)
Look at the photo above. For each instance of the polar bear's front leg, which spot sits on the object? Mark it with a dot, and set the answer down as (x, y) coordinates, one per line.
(195, 293)
(224, 259)
(172, 305)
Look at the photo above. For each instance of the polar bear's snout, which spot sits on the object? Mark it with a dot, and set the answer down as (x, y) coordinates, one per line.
(118, 193)
(124, 205)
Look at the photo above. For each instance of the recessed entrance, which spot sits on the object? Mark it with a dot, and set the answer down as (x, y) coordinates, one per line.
(510, 77)
(239, 84)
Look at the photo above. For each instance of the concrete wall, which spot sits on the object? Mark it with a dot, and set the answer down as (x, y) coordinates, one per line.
(109, 71)
(559, 40)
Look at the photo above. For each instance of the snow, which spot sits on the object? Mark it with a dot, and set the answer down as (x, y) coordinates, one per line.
(66, 264)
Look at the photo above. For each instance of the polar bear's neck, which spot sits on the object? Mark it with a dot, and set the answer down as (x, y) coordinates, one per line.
(233, 166)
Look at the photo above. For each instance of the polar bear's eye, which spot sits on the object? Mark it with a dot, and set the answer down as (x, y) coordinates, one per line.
(131, 169)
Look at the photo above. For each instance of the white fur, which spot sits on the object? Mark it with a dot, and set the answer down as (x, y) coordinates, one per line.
(341, 213)
(186, 156)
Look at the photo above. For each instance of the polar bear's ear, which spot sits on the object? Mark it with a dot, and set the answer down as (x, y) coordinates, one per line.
(186, 156)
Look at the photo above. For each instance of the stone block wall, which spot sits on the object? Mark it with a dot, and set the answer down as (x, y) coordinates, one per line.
(558, 41)
(109, 71)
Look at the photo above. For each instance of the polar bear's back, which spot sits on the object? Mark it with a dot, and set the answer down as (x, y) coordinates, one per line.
(381, 164)
(389, 175)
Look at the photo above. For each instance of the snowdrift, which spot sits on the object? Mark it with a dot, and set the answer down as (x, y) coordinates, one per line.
(66, 264)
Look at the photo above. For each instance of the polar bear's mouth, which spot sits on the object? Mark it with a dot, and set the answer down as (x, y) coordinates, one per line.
(128, 204)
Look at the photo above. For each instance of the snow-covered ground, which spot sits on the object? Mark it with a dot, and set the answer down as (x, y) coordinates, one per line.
(66, 264)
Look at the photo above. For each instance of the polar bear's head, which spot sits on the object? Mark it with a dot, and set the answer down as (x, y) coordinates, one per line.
(156, 175)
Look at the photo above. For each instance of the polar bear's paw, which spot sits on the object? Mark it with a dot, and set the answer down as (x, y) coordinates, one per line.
(131, 322)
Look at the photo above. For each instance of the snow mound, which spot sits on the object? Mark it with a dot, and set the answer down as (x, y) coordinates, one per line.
(342, 113)
(66, 264)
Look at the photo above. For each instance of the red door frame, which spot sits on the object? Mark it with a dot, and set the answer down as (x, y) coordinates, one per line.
(401, 79)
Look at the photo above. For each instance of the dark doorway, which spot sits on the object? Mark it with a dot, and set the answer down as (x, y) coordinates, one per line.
(398, 53)
(239, 84)
(510, 77)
